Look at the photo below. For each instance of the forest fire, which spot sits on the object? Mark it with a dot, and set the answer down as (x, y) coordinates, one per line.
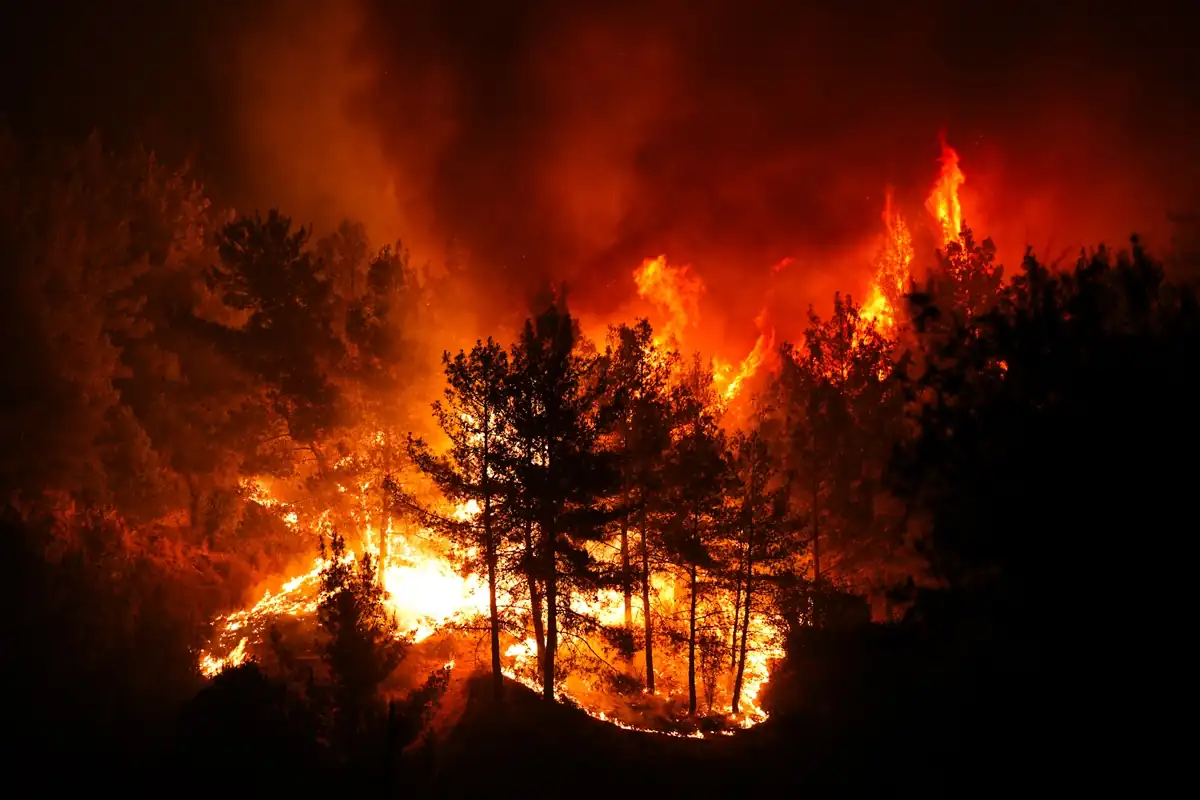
(438, 589)
(413, 399)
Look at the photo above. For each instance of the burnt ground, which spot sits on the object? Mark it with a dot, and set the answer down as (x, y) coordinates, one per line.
(882, 709)
(873, 711)
(524, 745)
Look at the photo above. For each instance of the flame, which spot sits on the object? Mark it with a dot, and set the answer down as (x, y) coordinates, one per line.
(674, 290)
(764, 348)
(425, 584)
(893, 271)
(427, 593)
(943, 202)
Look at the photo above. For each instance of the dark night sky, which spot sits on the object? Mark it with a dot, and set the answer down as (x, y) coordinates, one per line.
(572, 139)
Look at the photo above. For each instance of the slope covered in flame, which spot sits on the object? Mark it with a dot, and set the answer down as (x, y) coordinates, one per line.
(430, 593)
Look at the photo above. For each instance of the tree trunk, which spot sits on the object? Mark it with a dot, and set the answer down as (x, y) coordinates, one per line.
(646, 608)
(322, 463)
(692, 647)
(737, 610)
(535, 599)
(816, 526)
(489, 535)
(551, 579)
(385, 541)
(493, 606)
(816, 546)
(626, 575)
(741, 667)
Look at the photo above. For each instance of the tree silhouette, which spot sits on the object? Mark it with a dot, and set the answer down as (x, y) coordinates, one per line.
(473, 470)
(363, 646)
(836, 414)
(1024, 412)
(639, 404)
(567, 477)
(760, 526)
(267, 272)
(697, 480)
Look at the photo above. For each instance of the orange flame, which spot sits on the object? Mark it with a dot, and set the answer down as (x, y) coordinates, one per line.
(943, 202)
(674, 290)
(427, 593)
(892, 271)
(764, 348)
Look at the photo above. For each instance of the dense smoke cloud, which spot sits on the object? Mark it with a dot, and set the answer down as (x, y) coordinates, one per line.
(564, 140)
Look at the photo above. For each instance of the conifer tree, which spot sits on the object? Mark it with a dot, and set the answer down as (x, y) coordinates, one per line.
(472, 417)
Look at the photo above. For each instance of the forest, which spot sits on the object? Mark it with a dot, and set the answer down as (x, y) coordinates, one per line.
(915, 551)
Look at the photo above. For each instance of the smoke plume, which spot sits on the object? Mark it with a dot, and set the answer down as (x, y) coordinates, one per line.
(568, 141)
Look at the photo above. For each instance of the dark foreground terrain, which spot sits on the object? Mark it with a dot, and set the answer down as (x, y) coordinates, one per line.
(870, 710)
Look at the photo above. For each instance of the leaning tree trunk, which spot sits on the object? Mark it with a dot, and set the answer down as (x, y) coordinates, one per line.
(646, 608)
(535, 599)
(741, 667)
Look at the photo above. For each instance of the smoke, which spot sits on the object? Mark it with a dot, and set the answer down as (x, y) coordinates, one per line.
(564, 141)
(292, 76)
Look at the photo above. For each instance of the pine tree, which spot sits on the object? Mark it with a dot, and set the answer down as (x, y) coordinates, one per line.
(568, 477)
(363, 647)
(472, 416)
(697, 480)
(760, 524)
(638, 404)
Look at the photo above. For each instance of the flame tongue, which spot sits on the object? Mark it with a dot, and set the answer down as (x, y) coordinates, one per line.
(943, 202)
(763, 350)
(893, 267)
(892, 271)
(674, 291)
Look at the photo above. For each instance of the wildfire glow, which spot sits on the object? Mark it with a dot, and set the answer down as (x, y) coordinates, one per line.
(425, 582)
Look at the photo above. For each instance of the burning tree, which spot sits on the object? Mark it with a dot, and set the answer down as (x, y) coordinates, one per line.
(363, 647)
(759, 523)
(638, 404)
(472, 472)
(697, 481)
(566, 477)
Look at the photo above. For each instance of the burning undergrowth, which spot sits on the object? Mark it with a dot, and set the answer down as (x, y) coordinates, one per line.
(440, 606)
